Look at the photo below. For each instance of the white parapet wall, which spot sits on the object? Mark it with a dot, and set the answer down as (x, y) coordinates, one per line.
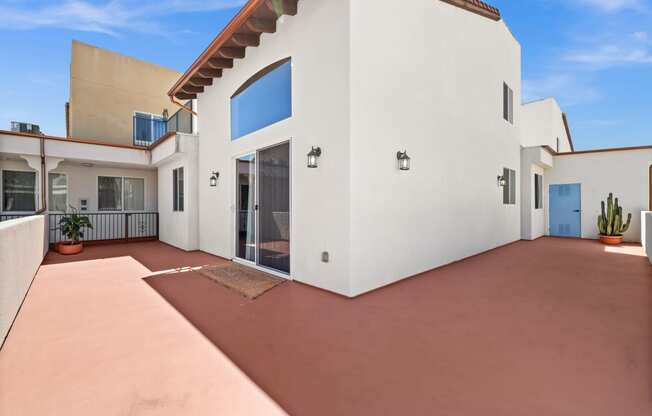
(646, 232)
(22, 243)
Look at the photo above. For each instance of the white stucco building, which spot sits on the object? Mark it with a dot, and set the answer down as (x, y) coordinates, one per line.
(306, 111)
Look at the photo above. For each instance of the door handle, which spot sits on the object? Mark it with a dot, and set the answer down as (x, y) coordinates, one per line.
(577, 210)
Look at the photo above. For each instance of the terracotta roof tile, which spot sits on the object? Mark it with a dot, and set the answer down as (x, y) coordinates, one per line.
(478, 7)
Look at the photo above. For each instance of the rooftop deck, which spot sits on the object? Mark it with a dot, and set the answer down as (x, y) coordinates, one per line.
(550, 327)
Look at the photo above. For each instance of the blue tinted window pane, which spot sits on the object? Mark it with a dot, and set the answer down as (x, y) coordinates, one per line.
(265, 102)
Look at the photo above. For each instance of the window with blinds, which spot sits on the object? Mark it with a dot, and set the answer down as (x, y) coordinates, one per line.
(509, 191)
(177, 190)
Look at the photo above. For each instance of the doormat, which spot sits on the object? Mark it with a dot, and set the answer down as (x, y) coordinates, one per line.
(247, 281)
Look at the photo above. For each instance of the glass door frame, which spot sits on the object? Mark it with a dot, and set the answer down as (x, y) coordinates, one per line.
(255, 264)
(237, 196)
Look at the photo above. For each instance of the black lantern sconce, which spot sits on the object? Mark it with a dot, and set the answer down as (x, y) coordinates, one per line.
(502, 182)
(313, 157)
(403, 160)
(214, 177)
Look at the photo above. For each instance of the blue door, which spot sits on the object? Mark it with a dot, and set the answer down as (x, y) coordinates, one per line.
(565, 202)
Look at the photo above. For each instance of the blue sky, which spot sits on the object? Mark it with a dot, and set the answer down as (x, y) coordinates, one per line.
(594, 56)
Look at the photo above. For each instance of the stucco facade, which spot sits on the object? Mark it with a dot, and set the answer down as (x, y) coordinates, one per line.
(595, 172)
(377, 224)
(106, 88)
(544, 125)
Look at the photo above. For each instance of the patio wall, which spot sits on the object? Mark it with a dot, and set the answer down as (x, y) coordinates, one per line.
(82, 180)
(22, 243)
(623, 172)
(179, 228)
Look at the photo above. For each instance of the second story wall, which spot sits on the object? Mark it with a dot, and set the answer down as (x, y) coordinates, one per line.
(543, 125)
(428, 77)
(106, 89)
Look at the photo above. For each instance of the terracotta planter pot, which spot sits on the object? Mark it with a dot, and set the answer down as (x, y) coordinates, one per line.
(67, 248)
(611, 240)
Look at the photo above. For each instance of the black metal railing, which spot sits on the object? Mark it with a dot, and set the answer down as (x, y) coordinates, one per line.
(109, 226)
(7, 217)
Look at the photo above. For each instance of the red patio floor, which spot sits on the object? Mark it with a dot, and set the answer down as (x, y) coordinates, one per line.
(550, 327)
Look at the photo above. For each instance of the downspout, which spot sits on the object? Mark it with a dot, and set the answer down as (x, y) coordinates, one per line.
(43, 182)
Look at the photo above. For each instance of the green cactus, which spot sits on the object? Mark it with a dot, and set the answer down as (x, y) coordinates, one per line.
(610, 222)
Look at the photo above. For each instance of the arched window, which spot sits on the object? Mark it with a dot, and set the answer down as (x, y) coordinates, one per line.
(264, 99)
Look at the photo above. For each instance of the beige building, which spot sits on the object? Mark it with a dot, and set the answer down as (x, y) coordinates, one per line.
(111, 95)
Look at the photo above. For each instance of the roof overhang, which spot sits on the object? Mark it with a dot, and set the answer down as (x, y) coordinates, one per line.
(244, 30)
(477, 7)
(568, 132)
(255, 18)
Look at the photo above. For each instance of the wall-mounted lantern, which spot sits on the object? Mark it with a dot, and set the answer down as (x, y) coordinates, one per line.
(403, 160)
(502, 181)
(214, 177)
(313, 157)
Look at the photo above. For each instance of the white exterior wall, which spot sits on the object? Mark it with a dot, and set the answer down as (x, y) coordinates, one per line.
(432, 86)
(625, 173)
(82, 181)
(179, 228)
(21, 252)
(646, 233)
(317, 39)
(534, 160)
(542, 124)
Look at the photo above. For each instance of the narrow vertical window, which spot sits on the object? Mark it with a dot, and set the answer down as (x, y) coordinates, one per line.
(57, 192)
(538, 191)
(177, 190)
(508, 103)
(557, 144)
(509, 191)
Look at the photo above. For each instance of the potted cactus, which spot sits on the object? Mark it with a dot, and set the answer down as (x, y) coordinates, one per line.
(610, 222)
(72, 226)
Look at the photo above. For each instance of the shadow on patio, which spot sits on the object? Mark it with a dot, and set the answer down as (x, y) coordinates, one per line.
(553, 326)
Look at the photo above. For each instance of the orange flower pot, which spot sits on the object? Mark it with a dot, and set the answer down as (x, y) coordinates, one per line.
(611, 240)
(69, 248)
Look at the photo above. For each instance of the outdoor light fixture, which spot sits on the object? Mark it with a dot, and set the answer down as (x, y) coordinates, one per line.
(502, 182)
(403, 160)
(313, 156)
(214, 177)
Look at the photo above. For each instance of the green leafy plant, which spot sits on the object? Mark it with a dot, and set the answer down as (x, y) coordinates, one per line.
(73, 225)
(610, 222)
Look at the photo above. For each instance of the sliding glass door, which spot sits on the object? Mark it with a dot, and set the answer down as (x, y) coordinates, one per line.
(274, 207)
(246, 206)
(263, 208)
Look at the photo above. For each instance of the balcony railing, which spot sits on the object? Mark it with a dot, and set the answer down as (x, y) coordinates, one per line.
(107, 226)
(149, 128)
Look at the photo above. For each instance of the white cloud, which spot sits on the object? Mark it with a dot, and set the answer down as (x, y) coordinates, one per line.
(112, 17)
(568, 89)
(611, 55)
(612, 6)
(641, 36)
(612, 50)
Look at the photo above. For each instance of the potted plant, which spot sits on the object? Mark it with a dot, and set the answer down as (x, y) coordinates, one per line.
(610, 222)
(72, 227)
